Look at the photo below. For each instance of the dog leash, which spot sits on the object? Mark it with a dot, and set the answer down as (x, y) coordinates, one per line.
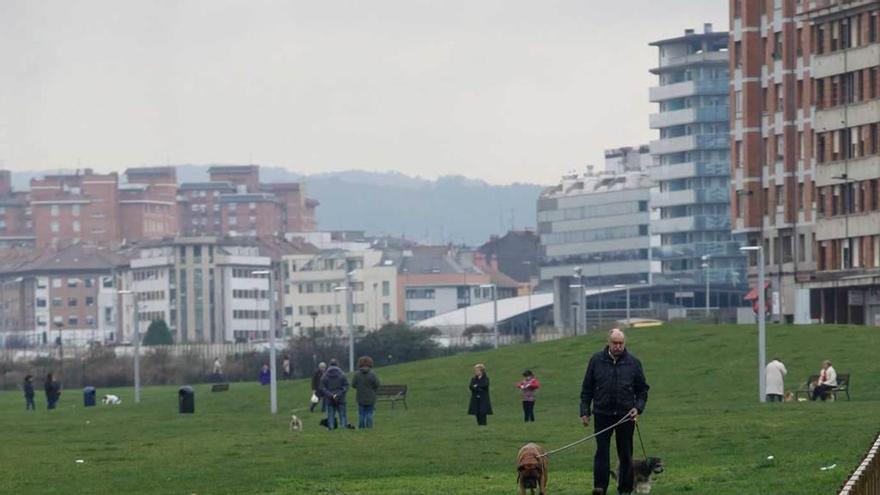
(594, 435)
(640, 441)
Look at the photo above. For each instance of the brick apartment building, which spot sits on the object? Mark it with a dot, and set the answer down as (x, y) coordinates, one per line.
(148, 204)
(16, 225)
(804, 118)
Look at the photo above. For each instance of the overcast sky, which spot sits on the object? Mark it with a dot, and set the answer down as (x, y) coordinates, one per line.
(506, 90)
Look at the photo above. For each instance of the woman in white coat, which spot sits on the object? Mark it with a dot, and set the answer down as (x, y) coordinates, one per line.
(774, 376)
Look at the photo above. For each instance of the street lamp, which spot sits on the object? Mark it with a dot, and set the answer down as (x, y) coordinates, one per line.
(762, 337)
(137, 343)
(621, 286)
(273, 386)
(60, 325)
(349, 317)
(705, 266)
(528, 264)
(494, 310)
(582, 298)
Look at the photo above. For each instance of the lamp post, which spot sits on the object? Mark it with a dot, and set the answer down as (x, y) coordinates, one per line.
(467, 301)
(273, 386)
(60, 325)
(531, 330)
(705, 266)
(582, 299)
(349, 317)
(621, 286)
(494, 310)
(762, 337)
(137, 343)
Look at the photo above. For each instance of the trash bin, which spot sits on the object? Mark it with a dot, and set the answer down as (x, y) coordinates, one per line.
(89, 396)
(186, 399)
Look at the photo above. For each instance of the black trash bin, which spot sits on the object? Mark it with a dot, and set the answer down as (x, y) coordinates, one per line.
(186, 400)
(89, 396)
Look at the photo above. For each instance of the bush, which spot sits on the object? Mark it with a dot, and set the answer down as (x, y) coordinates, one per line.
(158, 334)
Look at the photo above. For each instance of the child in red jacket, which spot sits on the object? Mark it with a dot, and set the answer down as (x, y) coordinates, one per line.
(528, 385)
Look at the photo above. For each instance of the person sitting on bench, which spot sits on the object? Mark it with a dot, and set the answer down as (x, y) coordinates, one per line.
(826, 383)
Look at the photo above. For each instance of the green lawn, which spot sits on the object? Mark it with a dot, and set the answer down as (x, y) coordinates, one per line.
(703, 418)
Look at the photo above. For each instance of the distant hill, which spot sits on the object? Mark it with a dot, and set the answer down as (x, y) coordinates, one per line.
(450, 209)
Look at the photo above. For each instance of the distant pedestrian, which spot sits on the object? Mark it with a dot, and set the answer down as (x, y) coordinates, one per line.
(316, 385)
(218, 369)
(333, 387)
(285, 367)
(528, 385)
(366, 383)
(480, 405)
(53, 391)
(774, 384)
(265, 376)
(29, 394)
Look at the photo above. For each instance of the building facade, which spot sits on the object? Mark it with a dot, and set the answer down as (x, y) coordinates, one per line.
(691, 160)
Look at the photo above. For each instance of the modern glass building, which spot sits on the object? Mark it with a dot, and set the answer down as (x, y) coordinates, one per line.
(691, 161)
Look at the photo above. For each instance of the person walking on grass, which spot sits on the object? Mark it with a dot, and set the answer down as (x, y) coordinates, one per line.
(29, 394)
(528, 385)
(614, 385)
(774, 384)
(53, 391)
(480, 405)
(334, 386)
(265, 376)
(285, 367)
(366, 383)
(316, 385)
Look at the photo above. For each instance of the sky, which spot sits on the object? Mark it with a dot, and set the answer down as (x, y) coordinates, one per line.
(500, 90)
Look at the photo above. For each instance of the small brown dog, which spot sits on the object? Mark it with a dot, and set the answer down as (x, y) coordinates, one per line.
(789, 397)
(531, 469)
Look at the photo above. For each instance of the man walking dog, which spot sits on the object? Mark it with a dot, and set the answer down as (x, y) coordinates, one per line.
(615, 385)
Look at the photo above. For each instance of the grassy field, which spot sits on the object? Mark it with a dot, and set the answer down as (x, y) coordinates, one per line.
(703, 418)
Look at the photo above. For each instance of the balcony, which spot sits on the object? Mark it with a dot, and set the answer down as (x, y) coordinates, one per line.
(688, 116)
(690, 196)
(690, 143)
(689, 224)
(829, 64)
(724, 249)
(694, 58)
(689, 169)
(854, 114)
(688, 88)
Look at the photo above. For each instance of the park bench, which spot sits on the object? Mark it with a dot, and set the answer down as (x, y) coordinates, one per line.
(842, 386)
(392, 393)
(219, 387)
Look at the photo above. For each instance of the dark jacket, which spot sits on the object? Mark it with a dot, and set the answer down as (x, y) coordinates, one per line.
(29, 390)
(53, 390)
(333, 383)
(316, 380)
(613, 387)
(480, 403)
(366, 382)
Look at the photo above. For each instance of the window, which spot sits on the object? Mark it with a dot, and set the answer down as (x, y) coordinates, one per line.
(386, 288)
(780, 198)
(72, 301)
(72, 321)
(41, 302)
(74, 210)
(90, 301)
(54, 210)
(56, 283)
(53, 226)
(72, 282)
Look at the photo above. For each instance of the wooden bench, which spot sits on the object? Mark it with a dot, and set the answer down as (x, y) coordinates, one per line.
(220, 387)
(842, 386)
(392, 393)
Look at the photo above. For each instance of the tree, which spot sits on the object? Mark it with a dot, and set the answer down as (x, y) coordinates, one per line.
(158, 334)
(398, 343)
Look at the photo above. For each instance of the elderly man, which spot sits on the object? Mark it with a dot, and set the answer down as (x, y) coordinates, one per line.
(615, 386)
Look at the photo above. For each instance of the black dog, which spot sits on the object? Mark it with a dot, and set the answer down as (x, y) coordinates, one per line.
(642, 472)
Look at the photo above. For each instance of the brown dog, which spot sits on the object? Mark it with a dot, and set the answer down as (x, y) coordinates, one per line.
(531, 469)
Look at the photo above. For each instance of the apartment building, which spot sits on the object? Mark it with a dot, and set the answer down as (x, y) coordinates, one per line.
(16, 224)
(148, 204)
(844, 46)
(628, 159)
(691, 160)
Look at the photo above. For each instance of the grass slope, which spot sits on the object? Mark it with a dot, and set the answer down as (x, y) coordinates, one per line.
(703, 418)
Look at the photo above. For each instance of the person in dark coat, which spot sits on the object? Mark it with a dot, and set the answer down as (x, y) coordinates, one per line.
(316, 384)
(265, 376)
(614, 384)
(333, 387)
(480, 405)
(53, 391)
(29, 394)
(366, 383)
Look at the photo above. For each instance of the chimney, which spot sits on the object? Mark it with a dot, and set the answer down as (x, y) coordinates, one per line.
(707, 27)
(688, 32)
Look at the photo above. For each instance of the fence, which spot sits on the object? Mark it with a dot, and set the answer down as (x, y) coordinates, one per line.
(865, 480)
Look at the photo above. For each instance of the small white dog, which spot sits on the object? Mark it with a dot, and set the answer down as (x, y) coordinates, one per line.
(296, 424)
(111, 400)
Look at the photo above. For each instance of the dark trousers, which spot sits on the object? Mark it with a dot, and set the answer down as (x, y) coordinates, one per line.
(529, 410)
(602, 461)
(774, 397)
(481, 419)
(821, 392)
(50, 403)
(29, 404)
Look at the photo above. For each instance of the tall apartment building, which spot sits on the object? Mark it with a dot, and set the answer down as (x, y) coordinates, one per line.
(148, 204)
(599, 223)
(73, 208)
(804, 91)
(691, 160)
(628, 159)
(844, 42)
